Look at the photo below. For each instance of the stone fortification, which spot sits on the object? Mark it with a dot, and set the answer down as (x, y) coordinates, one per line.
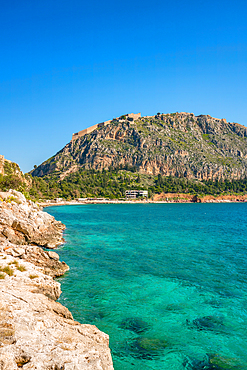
(86, 131)
(36, 332)
(130, 117)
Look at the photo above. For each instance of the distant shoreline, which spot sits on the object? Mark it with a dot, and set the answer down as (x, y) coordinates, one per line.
(64, 203)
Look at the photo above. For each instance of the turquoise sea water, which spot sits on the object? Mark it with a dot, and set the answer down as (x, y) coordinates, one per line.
(167, 282)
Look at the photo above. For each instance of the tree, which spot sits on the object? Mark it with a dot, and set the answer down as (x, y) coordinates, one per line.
(159, 180)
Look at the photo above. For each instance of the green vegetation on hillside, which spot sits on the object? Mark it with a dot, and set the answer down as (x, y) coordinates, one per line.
(13, 178)
(10, 182)
(182, 185)
(112, 184)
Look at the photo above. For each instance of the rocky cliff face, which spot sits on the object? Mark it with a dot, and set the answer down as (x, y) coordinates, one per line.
(179, 144)
(22, 222)
(9, 168)
(1, 165)
(36, 332)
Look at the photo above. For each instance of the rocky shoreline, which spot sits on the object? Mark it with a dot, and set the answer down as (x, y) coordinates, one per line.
(36, 332)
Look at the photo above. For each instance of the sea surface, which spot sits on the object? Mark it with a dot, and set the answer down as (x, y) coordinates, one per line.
(167, 282)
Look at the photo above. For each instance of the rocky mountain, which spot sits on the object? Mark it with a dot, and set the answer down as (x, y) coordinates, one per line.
(177, 144)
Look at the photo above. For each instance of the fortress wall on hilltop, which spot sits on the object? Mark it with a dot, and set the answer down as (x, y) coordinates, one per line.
(131, 116)
(84, 132)
(134, 115)
(89, 130)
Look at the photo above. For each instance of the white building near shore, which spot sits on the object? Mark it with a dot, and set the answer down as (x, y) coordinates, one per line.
(133, 194)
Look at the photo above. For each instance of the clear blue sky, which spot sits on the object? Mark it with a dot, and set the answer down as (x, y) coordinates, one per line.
(66, 65)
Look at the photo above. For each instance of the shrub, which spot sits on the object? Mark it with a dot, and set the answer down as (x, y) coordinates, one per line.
(8, 270)
(33, 276)
(14, 263)
(21, 268)
(2, 276)
(12, 199)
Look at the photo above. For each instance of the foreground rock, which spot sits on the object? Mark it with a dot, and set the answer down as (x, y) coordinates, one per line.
(22, 222)
(36, 332)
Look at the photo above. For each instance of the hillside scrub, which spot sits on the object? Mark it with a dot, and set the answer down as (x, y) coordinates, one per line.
(113, 184)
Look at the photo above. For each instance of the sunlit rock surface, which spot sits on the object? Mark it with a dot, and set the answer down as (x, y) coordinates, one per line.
(36, 332)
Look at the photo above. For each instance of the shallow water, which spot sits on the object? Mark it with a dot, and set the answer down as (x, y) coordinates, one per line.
(167, 282)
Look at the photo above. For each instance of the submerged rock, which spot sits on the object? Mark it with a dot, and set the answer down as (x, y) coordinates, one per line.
(147, 348)
(213, 362)
(225, 363)
(211, 323)
(195, 364)
(135, 324)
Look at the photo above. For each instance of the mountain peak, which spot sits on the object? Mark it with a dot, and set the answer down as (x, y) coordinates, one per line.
(173, 144)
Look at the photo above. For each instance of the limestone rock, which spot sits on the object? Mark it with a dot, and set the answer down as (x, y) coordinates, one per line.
(53, 255)
(24, 223)
(10, 235)
(17, 252)
(39, 333)
(17, 194)
(47, 261)
(36, 332)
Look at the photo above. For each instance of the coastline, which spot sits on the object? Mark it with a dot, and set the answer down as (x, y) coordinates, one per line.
(36, 332)
(169, 200)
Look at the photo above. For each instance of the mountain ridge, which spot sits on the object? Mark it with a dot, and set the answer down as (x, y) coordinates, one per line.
(174, 144)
